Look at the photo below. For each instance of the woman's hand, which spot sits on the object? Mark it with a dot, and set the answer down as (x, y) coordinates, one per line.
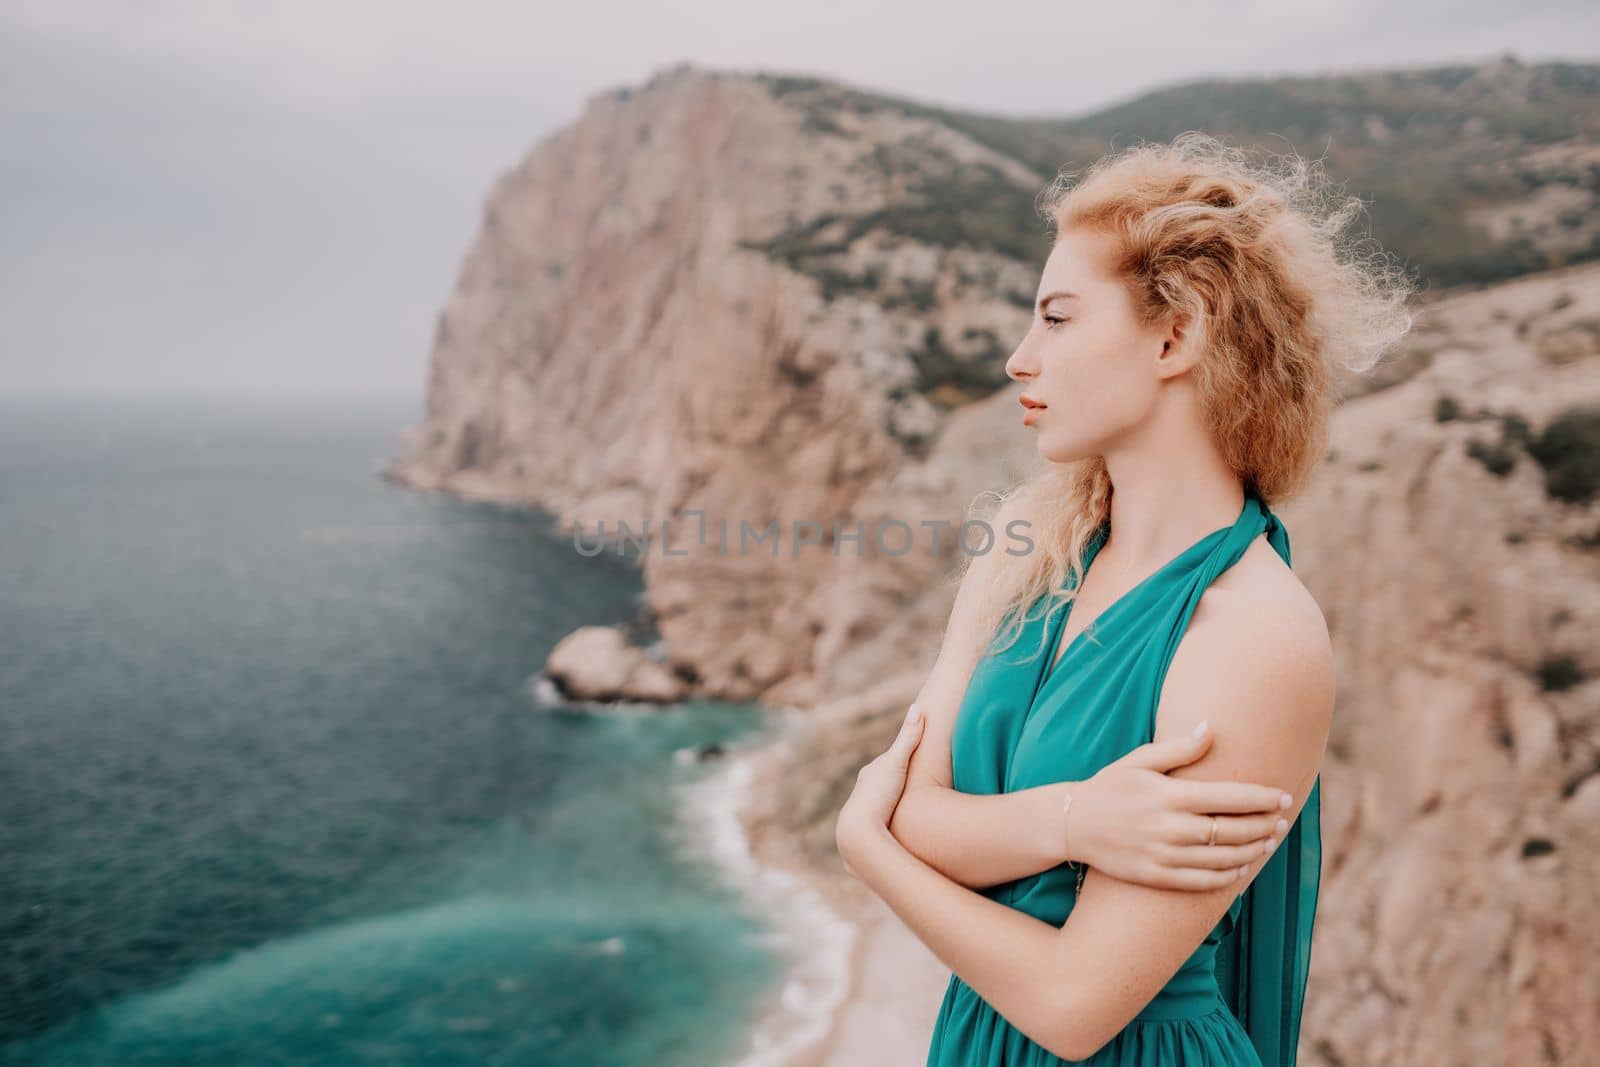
(1137, 824)
(879, 785)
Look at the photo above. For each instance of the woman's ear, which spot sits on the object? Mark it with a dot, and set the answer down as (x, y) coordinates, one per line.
(1177, 329)
(1175, 353)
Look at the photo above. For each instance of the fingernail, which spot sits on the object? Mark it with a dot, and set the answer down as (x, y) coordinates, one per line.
(1285, 800)
(1200, 731)
(1283, 827)
(913, 715)
(1268, 845)
(1244, 871)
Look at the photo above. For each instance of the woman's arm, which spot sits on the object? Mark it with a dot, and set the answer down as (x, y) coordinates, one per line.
(976, 841)
(1262, 675)
(982, 840)
(1121, 821)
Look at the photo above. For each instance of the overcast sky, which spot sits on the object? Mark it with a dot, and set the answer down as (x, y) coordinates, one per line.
(276, 197)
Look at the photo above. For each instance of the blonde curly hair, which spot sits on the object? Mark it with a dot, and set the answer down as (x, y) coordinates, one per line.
(1279, 298)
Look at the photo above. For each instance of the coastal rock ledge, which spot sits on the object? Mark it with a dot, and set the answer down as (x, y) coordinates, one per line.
(596, 663)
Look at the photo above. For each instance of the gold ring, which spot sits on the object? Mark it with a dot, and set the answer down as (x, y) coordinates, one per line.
(1213, 839)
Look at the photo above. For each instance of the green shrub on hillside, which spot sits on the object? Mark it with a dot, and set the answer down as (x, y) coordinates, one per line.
(1569, 451)
(1559, 671)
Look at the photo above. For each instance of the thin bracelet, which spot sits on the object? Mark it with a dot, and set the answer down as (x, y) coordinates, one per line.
(1083, 868)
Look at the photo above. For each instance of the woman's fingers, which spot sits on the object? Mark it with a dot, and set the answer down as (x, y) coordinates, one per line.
(1207, 796)
(1240, 841)
(1213, 857)
(1201, 794)
(1172, 752)
(1232, 829)
(906, 740)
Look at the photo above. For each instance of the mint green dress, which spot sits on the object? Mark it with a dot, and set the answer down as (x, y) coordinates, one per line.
(1235, 1002)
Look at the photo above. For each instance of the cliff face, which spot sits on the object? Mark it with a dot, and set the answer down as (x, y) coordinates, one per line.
(739, 295)
(630, 342)
(1456, 565)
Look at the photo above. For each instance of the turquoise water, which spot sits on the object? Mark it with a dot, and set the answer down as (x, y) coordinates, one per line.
(274, 786)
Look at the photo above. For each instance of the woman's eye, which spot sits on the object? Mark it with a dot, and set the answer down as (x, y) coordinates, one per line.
(1052, 322)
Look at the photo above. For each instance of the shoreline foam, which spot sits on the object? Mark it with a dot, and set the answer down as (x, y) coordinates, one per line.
(817, 944)
(859, 986)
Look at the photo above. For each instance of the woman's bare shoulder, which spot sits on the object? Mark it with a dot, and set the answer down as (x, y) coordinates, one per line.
(1256, 651)
(1255, 663)
(1260, 597)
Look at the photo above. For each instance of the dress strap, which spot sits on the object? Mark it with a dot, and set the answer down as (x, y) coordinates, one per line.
(1254, 519)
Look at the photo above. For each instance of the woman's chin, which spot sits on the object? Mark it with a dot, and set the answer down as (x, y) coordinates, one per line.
(1058, 451)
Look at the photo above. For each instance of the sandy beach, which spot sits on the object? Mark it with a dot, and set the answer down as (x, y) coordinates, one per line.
(860, 988)
(887, 1015)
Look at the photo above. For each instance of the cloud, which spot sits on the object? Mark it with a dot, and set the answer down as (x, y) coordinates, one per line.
(278, 195)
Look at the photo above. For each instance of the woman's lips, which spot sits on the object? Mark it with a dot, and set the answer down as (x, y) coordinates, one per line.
(1032, 408)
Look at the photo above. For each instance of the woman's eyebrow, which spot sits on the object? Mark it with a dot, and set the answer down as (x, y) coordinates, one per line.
(1058, 294)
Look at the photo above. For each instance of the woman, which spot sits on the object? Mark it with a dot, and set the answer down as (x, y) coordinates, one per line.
(1107, 883)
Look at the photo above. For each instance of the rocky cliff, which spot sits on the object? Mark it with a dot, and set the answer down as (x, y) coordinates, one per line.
(1452, 544)
(631, 341)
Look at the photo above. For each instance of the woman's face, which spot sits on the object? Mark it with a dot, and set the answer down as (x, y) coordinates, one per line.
(1090, 371)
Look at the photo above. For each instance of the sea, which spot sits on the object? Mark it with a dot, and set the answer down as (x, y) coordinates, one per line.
(278, 782)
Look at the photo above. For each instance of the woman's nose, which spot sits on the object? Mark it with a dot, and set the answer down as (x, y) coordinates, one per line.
(1016, 369)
